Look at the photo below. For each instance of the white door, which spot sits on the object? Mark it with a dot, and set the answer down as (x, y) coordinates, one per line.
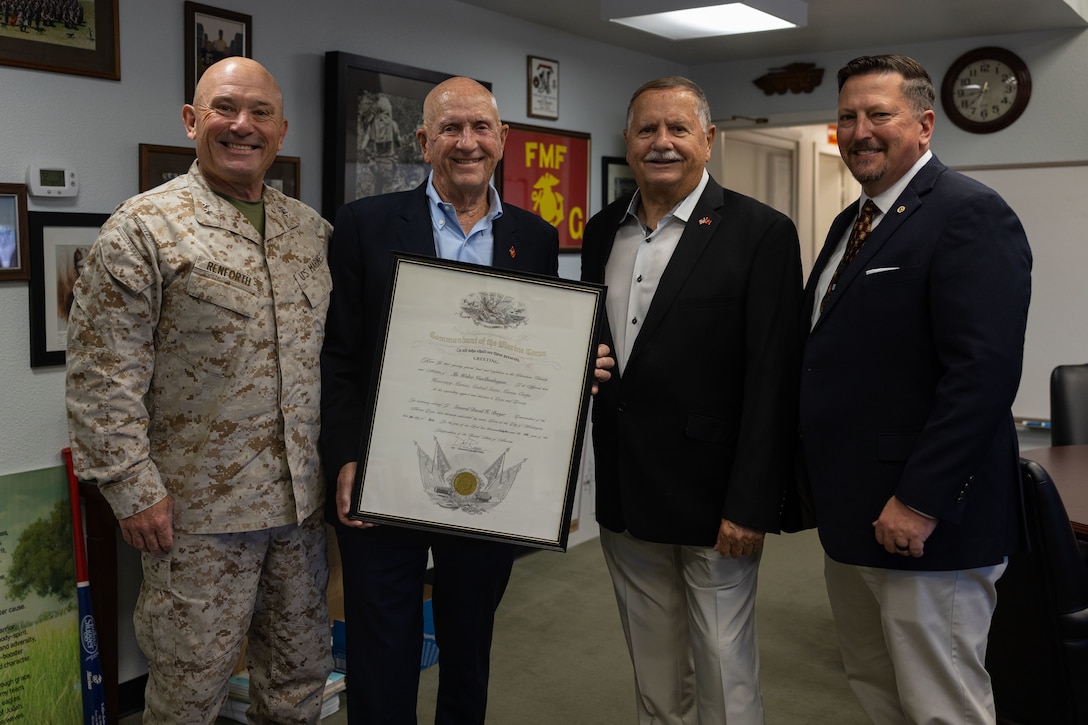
(796, 170)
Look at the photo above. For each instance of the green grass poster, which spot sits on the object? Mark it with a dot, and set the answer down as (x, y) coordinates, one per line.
(39, 641)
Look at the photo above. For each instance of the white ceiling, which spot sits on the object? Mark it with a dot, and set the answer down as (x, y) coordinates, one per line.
(832, 25)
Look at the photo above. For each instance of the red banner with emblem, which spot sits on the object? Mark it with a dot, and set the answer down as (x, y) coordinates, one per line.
(546, 171)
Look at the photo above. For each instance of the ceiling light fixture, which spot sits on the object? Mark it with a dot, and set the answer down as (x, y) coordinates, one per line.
(688, 19)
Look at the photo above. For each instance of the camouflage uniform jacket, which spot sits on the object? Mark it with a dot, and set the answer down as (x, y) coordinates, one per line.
(193, 359)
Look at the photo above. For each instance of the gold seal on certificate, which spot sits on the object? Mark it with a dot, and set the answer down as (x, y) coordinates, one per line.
(465, 483)
(494, 367)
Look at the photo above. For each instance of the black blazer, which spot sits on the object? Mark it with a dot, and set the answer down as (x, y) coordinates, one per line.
(701, 424)
(365, 235)
(910, 372)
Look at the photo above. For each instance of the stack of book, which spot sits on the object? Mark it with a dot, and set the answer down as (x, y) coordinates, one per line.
(237, 701)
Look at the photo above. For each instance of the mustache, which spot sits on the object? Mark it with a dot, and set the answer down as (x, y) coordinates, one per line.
(662, 156)
(864, 146)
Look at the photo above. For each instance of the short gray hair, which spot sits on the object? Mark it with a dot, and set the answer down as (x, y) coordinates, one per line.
(702, 107)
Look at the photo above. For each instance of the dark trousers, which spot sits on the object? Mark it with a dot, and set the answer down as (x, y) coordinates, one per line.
(384, 569)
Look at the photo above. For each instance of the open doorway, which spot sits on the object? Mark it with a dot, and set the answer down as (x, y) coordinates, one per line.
(795, 169)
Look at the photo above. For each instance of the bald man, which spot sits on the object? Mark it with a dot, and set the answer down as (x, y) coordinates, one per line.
(193, 403)
(455, 214)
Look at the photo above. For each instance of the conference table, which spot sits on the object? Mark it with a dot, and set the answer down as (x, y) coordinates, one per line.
(1068, 469)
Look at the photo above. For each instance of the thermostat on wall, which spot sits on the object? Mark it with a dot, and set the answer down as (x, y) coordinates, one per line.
(51, 181)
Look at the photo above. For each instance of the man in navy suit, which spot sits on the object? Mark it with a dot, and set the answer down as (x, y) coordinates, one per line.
(694, 440)
(910, 367)
(455, 214)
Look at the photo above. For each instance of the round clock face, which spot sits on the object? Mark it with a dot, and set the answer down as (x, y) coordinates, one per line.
(985, 90)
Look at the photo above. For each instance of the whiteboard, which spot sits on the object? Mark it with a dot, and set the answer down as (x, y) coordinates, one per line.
(1052, 203)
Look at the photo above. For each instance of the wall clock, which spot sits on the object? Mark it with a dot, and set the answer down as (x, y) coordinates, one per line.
(986, 89)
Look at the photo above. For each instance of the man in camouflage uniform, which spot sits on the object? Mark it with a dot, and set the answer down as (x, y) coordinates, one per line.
(193, 403)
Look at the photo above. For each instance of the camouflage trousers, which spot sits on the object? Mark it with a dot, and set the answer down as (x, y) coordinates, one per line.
(198, 603)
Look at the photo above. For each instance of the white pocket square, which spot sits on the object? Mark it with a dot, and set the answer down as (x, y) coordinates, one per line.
(879, 270)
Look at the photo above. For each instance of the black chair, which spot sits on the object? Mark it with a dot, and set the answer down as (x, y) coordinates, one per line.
(1037, 655)
(1069, 405)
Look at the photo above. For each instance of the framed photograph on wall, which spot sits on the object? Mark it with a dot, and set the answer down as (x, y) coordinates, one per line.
(59, 244)
(84, 41)
(159, 164)
(546, 171)
(543, 91)
(617, 179)
(212, 34)
(372, 111)
(14, 235)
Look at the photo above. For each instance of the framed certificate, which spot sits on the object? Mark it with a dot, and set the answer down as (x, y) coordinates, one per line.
(477, 411)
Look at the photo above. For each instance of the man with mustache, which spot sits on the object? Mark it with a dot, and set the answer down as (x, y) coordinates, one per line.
(691, 467)
(912, 360)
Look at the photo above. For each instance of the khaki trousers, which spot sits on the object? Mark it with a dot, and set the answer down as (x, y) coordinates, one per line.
(914, 643)
(689, 618)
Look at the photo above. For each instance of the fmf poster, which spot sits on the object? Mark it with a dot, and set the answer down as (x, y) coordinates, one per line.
(546, 171)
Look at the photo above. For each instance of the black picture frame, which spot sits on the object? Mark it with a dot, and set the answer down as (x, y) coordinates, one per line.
(359, 90)
(86, 46)
(58, 241)
(203, 22)
(498, 459)
(617, 179)
(14, 233)
(159, 164)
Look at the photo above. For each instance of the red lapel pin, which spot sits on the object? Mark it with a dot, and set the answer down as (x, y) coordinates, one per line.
(513, 253)
(704, 220)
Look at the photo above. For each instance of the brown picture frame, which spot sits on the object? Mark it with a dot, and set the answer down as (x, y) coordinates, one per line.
(159, 164)
(203, 22)
(546, 171)
(14, 233)
(542, 88)
(89, 45)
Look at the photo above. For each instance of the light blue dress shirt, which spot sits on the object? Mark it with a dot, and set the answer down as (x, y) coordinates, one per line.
(450, 240)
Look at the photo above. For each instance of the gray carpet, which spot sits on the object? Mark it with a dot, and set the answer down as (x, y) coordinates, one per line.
(559, 656)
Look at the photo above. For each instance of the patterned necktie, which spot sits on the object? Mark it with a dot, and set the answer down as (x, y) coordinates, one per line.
(862, 225)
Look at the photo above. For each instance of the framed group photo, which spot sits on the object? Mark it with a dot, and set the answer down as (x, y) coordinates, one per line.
(59, 245)
(159, 164)
(14, 233)
(546, 171)
(372, 111)
(80, 38)
(212, 34)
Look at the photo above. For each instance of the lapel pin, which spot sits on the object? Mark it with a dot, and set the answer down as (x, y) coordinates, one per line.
(704, 220)
(901, 209)
(513, 253)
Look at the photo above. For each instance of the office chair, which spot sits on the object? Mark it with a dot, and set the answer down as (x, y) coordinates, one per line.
(1069, 405)
(1037, 655)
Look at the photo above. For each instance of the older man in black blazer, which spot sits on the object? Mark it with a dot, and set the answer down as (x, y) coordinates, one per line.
(910, 369)
(694, 439)
(455, 214)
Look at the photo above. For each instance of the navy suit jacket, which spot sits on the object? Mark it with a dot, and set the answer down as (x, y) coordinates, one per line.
(366, 234)
(909, 375)
(701, 425)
